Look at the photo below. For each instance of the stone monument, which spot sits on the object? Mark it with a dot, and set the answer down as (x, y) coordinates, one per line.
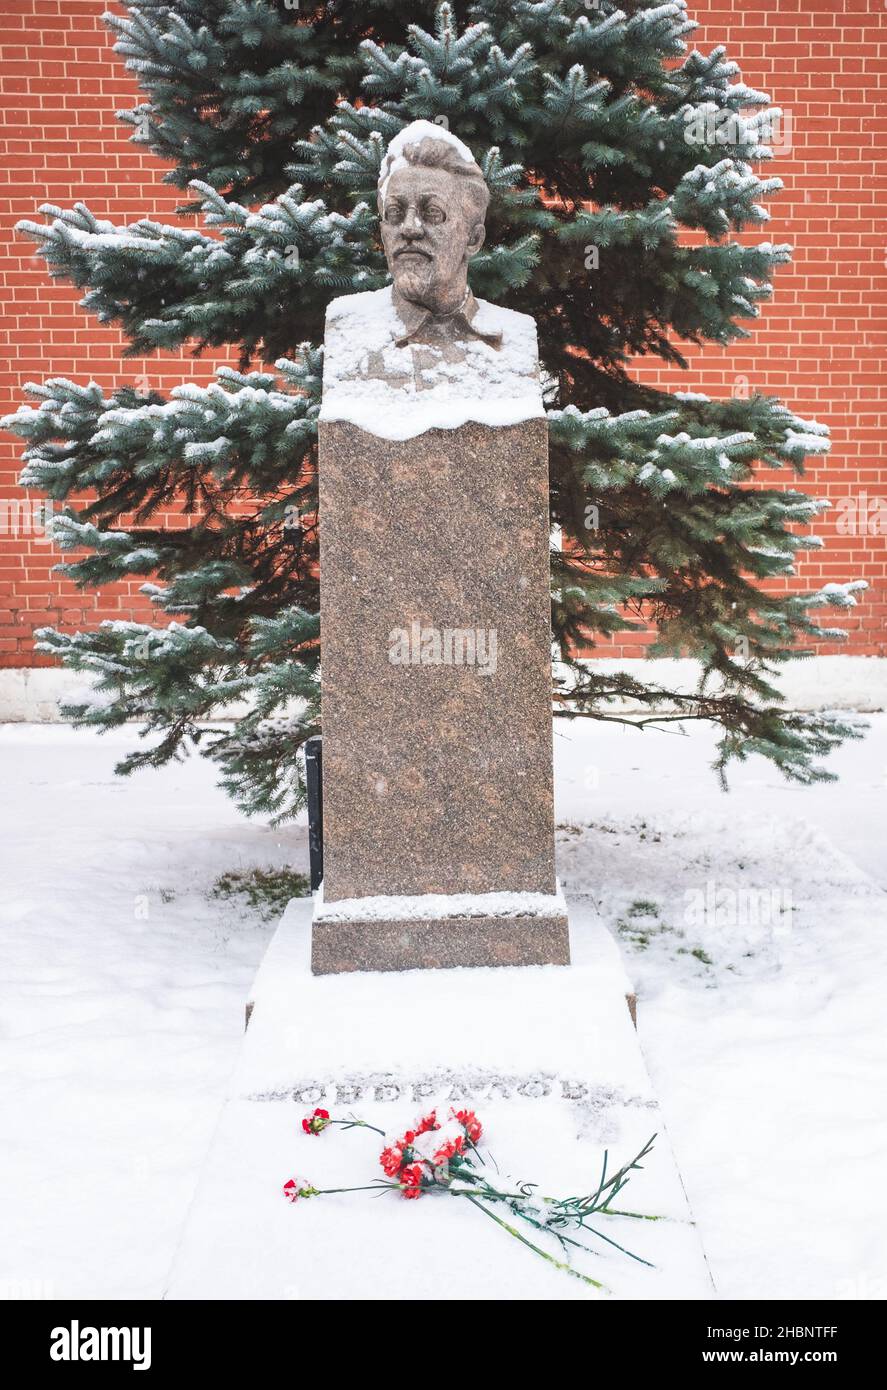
(437, 821)
(435, 612)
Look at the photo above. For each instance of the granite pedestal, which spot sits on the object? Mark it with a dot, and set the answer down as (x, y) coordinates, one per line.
(436, 680)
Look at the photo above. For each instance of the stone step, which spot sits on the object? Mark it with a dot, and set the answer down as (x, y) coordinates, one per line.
(546, 1055)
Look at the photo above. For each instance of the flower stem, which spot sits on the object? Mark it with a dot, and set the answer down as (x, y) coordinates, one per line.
(370, 1187)
(638, 1215)
(358, 1124)
(512, 1231)
(600, 1235)
(592, 1202)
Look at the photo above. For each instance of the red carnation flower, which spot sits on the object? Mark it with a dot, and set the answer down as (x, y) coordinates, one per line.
(411, 1180)
(316, 1123)
(470, 1123)
(427, 1122)
(448, 1151)
(391, 1159)
(298, 1187)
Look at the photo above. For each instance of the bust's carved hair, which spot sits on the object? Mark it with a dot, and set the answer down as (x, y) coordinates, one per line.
(440, 154)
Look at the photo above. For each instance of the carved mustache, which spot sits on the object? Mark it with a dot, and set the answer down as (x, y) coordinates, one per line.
(412, 251)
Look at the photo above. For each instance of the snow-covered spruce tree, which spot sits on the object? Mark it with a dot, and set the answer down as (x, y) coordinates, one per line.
(602, 138)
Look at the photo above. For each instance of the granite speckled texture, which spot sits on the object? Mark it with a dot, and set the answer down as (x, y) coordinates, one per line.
(337, 947)
(437, 777)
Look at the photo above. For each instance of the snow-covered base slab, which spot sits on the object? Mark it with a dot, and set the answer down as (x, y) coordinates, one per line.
(548, 1057)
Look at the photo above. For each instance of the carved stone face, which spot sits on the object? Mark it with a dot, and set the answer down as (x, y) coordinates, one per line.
(430, 230)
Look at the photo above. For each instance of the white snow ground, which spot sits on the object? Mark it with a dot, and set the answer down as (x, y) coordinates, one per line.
(122, 984)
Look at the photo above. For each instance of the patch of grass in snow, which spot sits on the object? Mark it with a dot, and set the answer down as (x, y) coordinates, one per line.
(267, 891)
(640, 931)
(642, 907)
(698, 954)
(643, 924)
(645, 832)
(575, 829)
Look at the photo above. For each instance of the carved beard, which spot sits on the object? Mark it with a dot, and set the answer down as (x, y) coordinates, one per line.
(417, 282)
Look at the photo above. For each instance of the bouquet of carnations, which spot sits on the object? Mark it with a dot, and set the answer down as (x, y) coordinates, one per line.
(441, 1155)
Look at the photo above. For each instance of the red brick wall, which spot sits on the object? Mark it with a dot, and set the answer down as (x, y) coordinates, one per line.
(818, 345)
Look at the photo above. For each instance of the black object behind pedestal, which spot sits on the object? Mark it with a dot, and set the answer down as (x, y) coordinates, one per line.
(314, 785)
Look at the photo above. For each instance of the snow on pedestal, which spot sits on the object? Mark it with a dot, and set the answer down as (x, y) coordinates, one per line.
(546, 1055)
(399, 392)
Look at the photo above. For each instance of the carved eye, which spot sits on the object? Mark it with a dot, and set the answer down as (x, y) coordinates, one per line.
(394, 213)
(433, 214)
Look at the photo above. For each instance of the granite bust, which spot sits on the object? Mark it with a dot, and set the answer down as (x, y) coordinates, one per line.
(424, 352)
(432, 202)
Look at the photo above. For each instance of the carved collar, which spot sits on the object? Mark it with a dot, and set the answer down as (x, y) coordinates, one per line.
(417, 321)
